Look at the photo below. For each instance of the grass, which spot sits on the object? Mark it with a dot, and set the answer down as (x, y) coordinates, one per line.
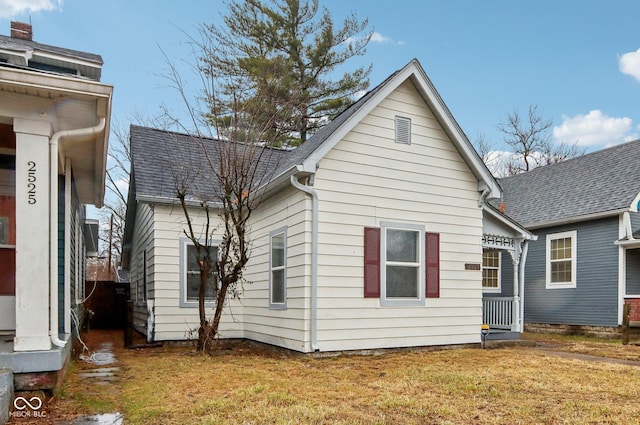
(250, 384)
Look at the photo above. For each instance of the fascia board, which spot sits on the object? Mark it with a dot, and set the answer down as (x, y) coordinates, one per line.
(57, 84)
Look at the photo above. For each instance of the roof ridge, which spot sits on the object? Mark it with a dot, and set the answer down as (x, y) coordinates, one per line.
(574, 159)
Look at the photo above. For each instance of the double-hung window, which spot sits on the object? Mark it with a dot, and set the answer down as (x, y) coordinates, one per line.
(402, 268)
(491, 271)
(190, 274)
(561, 259)
(278, 269)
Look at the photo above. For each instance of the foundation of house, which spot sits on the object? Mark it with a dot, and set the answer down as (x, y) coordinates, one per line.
(611, 332)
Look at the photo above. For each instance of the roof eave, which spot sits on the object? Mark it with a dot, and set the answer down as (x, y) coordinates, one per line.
(576, 219)
(508, 221)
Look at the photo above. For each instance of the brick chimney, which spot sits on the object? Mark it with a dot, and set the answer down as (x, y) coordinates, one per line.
(22, 31)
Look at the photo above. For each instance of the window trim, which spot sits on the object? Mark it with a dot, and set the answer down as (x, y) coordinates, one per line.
(272, 305)
(498, 289)
(397, 302)
(184, 243)
(573, 235)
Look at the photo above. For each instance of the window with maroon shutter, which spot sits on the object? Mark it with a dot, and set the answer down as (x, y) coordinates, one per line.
(432, 261)
(372, 262)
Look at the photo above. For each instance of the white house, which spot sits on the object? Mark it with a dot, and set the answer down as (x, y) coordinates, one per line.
(54, 126)
(371, 234)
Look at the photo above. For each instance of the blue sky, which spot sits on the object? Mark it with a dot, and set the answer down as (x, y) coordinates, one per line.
(578, 61)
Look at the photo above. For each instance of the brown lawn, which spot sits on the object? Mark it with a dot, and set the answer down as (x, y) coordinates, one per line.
(253, 384)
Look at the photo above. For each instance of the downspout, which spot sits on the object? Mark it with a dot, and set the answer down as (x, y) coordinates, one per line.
(314, 257)
(53, 221)
(67, 246)
(523, 260)
(483, 196)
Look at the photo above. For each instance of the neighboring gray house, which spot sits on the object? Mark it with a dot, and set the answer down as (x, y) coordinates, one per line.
(586, 263)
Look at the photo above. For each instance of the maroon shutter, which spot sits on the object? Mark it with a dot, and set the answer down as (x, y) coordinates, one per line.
(433, 264)
(372, 262)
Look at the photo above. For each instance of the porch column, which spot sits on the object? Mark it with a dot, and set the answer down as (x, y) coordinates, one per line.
(32, 235)
(515, 255)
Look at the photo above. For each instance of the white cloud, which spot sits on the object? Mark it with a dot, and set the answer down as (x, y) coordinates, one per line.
(629, 64)
(594, 129)
(376, 37)
(12, 8)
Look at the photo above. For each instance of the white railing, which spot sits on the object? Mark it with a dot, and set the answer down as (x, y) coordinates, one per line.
(497, 312)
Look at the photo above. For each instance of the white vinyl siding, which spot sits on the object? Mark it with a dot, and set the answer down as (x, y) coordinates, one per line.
(250, 316)
(367, 179)
(561, 259)
(143, 247)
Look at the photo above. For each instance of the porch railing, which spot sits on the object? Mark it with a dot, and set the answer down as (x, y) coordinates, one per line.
(497, 312)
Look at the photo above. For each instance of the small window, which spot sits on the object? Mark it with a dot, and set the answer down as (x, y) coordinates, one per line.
(491, 271)
(403, 264)
(561, 260)
(403, 130)
(190, 276)
(278, 270)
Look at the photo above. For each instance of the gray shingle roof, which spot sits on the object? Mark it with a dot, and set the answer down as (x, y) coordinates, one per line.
(163, 160)
(596, 183)
(16, 44)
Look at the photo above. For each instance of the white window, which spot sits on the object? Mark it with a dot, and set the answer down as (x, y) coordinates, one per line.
(561, 259)
(402, 268)
(491, 271)
(278, 269)
(190, 275)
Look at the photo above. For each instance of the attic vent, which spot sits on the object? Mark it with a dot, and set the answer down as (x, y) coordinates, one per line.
(403, 130)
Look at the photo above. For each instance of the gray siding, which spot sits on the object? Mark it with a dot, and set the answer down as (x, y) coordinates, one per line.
(594, 300)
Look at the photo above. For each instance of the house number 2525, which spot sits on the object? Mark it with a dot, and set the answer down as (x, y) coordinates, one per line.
(31, 182)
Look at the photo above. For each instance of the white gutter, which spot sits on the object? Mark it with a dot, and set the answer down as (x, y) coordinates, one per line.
(483, 196)
(53, 223)
(314, 257)
(575, 219)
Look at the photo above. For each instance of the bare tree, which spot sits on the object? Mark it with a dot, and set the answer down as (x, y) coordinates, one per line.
(530, 144)
(218, 180)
